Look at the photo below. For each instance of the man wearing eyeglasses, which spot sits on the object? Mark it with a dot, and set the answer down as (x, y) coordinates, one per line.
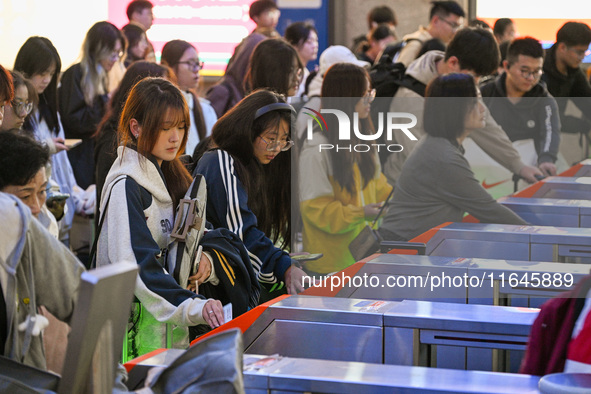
(458, 57)
(567, 82)
(445, 19)
(522, 106)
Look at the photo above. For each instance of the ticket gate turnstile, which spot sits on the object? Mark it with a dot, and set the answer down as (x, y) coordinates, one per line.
(276, 374)
(558, 187)
(461, 280)
(581, 169)
(417, 333)
(550, 212)
(510, 242)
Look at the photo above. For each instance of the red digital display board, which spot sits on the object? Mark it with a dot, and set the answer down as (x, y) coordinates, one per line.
(215, 27)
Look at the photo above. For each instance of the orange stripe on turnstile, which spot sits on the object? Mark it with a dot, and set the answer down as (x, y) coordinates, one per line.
(350, 271)
(423, 238)
(571, 171)
(132, 363)
(529, 191)
(470, 219)
(243, 321)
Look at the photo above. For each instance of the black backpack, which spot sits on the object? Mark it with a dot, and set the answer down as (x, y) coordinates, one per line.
(386, 77)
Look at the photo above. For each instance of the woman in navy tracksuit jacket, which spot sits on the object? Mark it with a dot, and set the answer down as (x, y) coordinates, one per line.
(245, 194)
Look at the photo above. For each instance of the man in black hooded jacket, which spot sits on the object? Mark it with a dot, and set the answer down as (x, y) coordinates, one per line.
(566, 81)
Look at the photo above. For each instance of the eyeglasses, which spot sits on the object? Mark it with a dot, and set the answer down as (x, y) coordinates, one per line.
(273, 144)
(115, 55)
(22, 107)
(369, 97)
(579, 52)
(526, 73)
(193, 65)
(454, 26)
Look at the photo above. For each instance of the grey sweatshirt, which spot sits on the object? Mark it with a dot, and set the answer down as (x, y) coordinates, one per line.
(436, 186)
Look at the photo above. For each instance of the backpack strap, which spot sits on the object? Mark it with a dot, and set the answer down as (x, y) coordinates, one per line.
(92, 255)
(413, 84)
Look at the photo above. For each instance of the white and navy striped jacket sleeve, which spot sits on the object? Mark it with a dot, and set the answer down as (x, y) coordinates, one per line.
(227, 207)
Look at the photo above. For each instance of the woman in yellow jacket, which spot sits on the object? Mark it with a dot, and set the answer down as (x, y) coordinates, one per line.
(341, 184)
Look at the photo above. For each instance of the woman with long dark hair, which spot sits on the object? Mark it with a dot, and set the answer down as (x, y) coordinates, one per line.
(84, 93)
(183, 58)
(137, 44)
(40, 63)
(274, 65)
(436, 184)
(340, 190)
(248, 188)
(304, 38)
(105, 151)
(141, 191)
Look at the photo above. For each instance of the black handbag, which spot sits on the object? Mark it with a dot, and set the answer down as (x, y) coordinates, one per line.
(367, 242)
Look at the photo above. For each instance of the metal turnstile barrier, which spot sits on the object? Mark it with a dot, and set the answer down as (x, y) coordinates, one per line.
(264, 374)
(550, 212)
(393, 277)
(581, 169)
(512, 242)
(410, 333)
(559, 187)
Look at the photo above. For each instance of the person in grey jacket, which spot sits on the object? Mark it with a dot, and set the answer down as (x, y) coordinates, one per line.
(35, 270)
(436, 184)
(472, 51)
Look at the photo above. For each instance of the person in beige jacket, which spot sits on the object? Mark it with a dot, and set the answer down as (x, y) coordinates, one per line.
(472, 51)
(445, 18)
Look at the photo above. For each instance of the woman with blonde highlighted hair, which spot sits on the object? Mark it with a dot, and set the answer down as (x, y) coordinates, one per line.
(84, 93)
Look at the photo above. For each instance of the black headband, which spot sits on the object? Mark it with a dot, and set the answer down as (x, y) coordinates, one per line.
(273, 107)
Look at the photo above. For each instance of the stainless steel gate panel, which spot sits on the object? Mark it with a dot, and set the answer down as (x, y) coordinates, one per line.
(562, 244)
(480, 240)
(521, 283)
(548, 212)
(584, 168)
(456, 336)
(473, 340)
(585, 217)
(535, 243)
(291, 375)
(320, 327)
(571, 188)
(439, 316)
(416, 270)
(328, 341)
(488, 281)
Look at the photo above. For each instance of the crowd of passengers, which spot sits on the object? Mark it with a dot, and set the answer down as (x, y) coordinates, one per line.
(115, 142)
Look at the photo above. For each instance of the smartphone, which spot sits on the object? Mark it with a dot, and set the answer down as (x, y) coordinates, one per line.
(57, 197)
(307, 257)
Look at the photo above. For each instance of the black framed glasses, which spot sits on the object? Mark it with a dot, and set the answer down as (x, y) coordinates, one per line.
(273, 144)
(22, 107)
(455, 26)
(193, 65)
(526, 73)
